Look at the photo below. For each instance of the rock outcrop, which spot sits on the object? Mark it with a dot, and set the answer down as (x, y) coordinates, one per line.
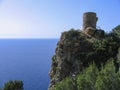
(75, 51)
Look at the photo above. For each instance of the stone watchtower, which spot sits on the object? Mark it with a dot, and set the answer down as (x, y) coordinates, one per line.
(89, 20)
(89, 25)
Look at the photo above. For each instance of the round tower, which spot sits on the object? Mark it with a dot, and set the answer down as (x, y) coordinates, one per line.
(89, 20)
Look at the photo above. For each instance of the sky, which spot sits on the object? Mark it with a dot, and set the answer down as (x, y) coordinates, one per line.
(49, 18)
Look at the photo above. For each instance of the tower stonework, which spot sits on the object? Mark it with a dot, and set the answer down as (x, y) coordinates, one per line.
(89, 25)
(89, 20)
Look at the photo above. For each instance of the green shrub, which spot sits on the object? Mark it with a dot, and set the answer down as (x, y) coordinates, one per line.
(86, 80)
(116, 31)
(67, 84)
(71, 34)
(108, 79)
(13, 85)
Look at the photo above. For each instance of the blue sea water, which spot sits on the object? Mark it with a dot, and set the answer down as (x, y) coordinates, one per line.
(28, 60)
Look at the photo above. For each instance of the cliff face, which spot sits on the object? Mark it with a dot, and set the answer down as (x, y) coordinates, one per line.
(76, 50)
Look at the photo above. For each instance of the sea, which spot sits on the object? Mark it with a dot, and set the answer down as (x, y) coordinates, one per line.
(28, 60)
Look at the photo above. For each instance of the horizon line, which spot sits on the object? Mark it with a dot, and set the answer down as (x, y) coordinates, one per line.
(29, 38)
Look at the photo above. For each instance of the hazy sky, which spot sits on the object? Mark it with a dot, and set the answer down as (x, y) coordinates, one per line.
(48, 18)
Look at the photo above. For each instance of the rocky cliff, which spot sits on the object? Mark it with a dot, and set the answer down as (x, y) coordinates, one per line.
(76, 50)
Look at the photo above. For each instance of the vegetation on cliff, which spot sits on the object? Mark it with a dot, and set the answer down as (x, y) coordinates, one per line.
(93, 79)
(86, 63)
